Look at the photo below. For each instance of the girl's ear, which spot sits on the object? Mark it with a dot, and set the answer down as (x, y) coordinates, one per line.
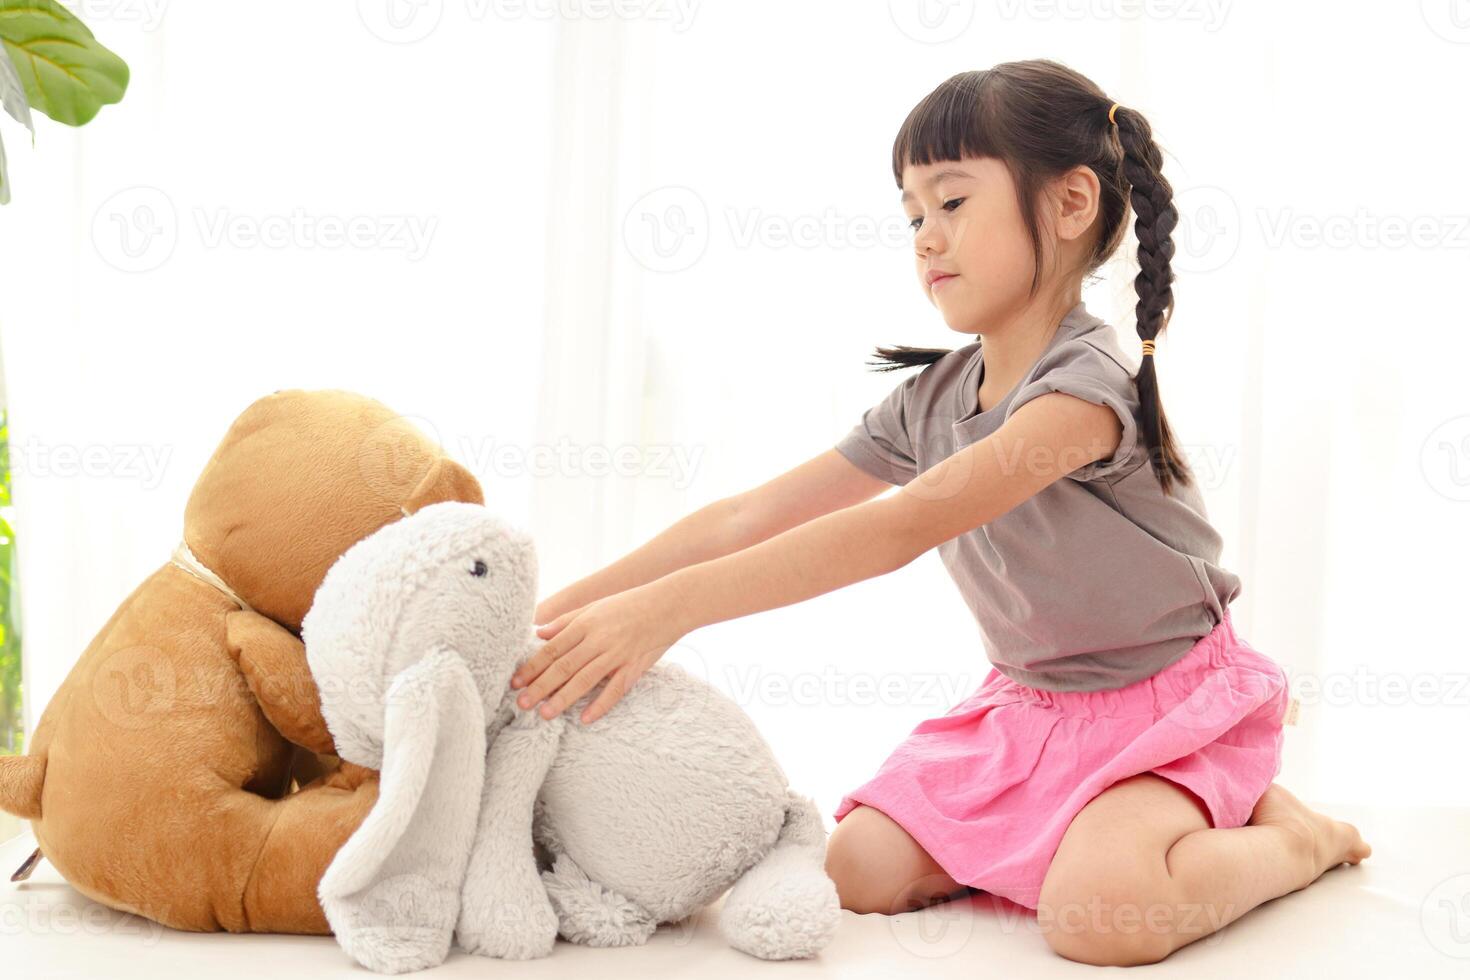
(1078, 196)
(391, 894)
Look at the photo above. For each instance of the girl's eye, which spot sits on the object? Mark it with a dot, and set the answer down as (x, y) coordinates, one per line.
(949, 205)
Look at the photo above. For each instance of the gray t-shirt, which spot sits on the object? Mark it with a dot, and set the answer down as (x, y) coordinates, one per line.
(1099, 580)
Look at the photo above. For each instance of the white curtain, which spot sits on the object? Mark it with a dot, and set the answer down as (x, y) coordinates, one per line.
(645, 253)
(297, 195)
(1313, 370)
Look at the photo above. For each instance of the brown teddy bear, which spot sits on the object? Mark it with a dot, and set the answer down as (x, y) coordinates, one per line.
(183, 771)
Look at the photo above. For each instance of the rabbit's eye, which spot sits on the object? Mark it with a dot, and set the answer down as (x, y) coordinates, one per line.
(480, 569)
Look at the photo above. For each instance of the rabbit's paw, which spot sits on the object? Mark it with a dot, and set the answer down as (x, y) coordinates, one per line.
(509, 928)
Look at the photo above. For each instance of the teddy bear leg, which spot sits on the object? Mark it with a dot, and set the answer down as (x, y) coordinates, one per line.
(310, 827)
(589, 914)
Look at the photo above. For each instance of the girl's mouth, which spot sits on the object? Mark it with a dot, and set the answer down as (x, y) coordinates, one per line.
(939, 281)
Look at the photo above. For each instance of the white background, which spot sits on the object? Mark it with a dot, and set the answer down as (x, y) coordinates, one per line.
(674, 229)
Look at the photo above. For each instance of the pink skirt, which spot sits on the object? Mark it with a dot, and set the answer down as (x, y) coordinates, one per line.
(989, 788)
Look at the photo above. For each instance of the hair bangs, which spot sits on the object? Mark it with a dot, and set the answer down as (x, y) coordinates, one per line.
(951, 123)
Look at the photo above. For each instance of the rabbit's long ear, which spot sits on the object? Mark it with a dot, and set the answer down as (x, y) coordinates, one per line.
(391, 895)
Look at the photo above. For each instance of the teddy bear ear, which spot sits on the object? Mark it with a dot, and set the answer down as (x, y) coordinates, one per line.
(446, 480)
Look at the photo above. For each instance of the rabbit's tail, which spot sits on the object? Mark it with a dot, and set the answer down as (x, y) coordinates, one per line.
(785, 907)
(21, 778)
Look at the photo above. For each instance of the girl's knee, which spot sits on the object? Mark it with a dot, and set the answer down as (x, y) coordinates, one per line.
(846, 865)
(1105, 918)
(873, 874)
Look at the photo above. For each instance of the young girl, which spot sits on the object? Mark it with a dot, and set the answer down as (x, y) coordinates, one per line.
(1114, 769)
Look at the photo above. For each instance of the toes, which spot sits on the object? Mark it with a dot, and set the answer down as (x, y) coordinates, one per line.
(1354, 847)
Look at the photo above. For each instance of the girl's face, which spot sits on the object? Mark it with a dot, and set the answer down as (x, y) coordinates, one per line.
(968, 232)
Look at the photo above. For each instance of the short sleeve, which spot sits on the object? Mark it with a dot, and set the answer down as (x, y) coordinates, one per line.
(1093, 375)
(880, 444)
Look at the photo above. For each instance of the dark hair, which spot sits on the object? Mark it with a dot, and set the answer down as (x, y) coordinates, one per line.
(1041, 119)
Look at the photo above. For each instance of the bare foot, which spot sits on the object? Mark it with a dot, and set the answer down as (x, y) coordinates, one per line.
(1330, 842)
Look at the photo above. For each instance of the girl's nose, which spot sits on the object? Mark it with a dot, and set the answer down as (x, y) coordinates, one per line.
(929, 240)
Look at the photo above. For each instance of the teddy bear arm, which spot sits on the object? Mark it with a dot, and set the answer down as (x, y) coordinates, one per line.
(273, 662)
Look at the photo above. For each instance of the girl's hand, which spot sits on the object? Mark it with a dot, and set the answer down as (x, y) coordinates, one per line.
(547, 610)
(621, 635)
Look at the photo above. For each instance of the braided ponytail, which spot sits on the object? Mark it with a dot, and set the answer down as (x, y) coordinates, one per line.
(1041, 119)
(1155, 217)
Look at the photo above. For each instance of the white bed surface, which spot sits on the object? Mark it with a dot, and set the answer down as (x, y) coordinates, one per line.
(1404, 912)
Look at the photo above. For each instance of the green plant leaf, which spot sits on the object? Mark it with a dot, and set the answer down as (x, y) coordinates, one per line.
(13, 93)
(13, 100)
(66, 73)
(4, 177)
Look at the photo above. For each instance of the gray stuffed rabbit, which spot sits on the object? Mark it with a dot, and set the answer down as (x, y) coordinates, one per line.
(501, 829)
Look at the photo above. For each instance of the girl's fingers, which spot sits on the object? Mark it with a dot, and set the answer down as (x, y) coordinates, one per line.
(612, 693)
(532, 668)
(558, 667)
(585, 680)
(555, 626)
(529, 670)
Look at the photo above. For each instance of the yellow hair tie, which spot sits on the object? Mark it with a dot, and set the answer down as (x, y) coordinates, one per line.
(1148, 347)
(1110, 114)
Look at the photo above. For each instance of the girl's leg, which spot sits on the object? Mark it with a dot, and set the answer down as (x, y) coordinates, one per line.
(1140, 872)
(878, 867)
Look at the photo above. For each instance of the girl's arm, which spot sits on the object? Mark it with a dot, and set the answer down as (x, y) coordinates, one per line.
(819, 486)
(619, 637)
(1044, 440)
